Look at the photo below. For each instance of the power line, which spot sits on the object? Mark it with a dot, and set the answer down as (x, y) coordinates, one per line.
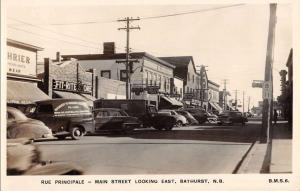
(146, 18)
(190, 12)
(53, 31)
(18, 29)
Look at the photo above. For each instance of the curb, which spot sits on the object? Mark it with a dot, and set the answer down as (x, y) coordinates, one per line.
(254, 160)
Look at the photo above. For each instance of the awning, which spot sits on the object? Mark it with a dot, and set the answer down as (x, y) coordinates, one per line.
(71, 95)
(169, 103)
(215, 106)
(20, 92)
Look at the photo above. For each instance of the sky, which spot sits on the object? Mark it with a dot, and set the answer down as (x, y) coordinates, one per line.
(231, 41)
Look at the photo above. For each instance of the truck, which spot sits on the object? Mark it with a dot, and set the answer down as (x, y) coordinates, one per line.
(142, 109)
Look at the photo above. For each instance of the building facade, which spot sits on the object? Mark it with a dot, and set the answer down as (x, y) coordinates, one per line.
(213, 97)
(149, 76)
(195, 84)
(22, 78)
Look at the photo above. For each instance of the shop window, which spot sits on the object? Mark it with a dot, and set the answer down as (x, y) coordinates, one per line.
(105, 74)
(123, 76)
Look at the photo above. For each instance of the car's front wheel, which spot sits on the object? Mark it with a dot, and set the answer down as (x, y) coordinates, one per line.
(76, 133)
(179, 124)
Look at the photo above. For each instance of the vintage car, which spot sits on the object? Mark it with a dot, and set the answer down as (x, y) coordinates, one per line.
(231, 117)
(188, 116)
(114, 120)
(65, 117)
(24, 158)
(20, 126)
(180, 119)
(198, 113)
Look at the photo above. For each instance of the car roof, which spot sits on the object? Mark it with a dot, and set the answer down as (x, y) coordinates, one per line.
(56, 100)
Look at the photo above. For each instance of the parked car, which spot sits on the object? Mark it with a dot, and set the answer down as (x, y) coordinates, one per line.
(180, 119)
(212, 118)
(191, 120)
(231, 117)
(24, 158)
(20, 126)
(142, 109)
(114, 120)
(198, 113)
(65, 117)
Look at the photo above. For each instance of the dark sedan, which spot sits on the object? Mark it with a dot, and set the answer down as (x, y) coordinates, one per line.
(231, 117)
(114, 120)
(198, 113)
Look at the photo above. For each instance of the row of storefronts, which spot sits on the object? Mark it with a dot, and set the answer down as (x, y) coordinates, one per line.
(167, 82)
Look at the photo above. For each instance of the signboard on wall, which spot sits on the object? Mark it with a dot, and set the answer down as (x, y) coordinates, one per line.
(21, 62)
(71, 86)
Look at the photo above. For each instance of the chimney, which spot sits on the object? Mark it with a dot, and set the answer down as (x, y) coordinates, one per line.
(109, 48)
(58, 57)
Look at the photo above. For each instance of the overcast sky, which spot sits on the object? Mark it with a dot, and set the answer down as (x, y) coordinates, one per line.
(231, 42)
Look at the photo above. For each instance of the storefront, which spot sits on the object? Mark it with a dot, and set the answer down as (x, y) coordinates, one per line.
(69, 80)
(22, 81)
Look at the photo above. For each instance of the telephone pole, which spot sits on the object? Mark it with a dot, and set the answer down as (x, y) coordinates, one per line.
(225, 95)
(128, 28)
(235, 100)
(243, 101)
(249, 104)
(268, 99)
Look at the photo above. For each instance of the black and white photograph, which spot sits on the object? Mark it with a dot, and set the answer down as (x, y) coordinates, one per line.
(110, 95)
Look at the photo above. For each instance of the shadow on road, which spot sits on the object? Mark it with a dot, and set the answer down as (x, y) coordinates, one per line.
(242, 134)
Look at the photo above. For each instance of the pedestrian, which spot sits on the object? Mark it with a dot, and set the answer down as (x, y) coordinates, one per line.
(275, 116)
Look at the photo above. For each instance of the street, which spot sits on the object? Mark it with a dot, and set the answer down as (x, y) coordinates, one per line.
(204, 149)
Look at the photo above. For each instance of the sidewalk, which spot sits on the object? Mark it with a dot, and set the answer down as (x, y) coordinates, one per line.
(270, 158)
(281, 155)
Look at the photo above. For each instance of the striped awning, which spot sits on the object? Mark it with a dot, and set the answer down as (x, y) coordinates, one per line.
(20, 92)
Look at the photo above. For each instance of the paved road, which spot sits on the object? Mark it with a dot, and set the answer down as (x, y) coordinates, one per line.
(186, 150)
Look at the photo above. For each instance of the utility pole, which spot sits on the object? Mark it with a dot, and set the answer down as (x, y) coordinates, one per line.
(128, 28)
(243, 101)
(235, 100)
(225, 95)
(249, 104)
(267, 101)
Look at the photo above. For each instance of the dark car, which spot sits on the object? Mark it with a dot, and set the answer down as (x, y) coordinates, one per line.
(142, 109)
(65, 117)
(198, 113)
(231, 117)
(20, 126)
(114, 120)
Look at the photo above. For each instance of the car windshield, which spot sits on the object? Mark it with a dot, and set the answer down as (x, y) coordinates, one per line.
(117, 113)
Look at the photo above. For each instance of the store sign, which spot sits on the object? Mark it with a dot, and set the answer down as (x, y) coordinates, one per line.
(152, 89)
(20, 61)
(188, 96)
(71, 86)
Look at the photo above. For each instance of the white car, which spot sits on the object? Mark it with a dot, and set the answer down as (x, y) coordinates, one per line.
(20, 126)
(180, 119)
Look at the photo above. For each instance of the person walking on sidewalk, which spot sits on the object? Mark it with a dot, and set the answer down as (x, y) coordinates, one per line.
(275, 116)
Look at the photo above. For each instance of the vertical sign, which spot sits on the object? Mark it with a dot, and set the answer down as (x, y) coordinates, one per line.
(267, 90)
